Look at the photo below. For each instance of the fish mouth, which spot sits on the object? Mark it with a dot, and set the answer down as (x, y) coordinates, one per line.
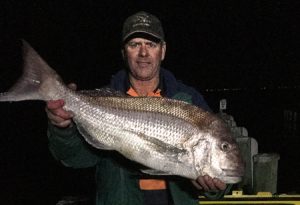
(232, 172)
(231, 179)
(232, 176)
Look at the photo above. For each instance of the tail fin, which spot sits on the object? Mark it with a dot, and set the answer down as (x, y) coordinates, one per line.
(35, 72)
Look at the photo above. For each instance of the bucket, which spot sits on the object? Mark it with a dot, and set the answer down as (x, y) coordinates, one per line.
(265, 172)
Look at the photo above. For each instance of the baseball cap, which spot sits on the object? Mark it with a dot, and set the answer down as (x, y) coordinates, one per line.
(142, 23)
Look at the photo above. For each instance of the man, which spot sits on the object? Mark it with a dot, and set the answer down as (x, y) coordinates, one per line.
(118, 179)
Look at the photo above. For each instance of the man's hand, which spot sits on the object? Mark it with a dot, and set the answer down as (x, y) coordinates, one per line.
(56, 114)
(206, 183)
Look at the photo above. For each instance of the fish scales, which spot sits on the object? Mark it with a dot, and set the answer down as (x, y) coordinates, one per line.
(168, 136)
(140, 122)
(122, 130)
(133, 105)
(172, 107)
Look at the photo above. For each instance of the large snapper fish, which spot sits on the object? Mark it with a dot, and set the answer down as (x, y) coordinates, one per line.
(168, 136)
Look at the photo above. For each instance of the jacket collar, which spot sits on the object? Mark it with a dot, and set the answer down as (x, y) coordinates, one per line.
(168, 83)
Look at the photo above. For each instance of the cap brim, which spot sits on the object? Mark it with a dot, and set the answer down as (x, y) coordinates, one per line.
(142, 34)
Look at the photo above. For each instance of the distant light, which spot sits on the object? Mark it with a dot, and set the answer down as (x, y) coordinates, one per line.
(282, 87)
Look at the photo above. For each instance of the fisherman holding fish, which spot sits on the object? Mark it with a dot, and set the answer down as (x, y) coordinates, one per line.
(118, 179)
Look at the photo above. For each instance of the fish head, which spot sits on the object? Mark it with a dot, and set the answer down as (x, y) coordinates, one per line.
(220, 155)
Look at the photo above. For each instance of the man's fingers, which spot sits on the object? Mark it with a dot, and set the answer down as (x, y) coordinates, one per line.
(210, 183)
(197, 185)
(57, 120)
(55, 104)
(219, 184)
(54, 117)
(63, 114)
(61, 124)
(58, 113)
(202, 183)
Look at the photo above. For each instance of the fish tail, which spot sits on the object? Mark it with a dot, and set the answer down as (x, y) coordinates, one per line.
(36, 72)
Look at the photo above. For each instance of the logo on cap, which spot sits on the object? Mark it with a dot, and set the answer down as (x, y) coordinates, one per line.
(142, 23)
(142, 20)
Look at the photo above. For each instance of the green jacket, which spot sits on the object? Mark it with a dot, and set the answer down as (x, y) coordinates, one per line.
(116, 177)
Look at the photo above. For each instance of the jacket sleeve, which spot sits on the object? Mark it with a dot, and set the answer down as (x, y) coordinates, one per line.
(68, 146)
(191, 95)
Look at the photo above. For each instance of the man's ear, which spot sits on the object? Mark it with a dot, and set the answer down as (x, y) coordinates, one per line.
(123, 53)
(164, 49)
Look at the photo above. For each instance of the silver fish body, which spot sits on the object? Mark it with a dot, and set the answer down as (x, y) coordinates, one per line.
(168, 136)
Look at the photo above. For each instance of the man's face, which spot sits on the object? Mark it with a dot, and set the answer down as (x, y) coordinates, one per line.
(144, 57)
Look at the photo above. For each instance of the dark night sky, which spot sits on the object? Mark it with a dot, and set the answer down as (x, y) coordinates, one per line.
(210, 44)
(219, 43)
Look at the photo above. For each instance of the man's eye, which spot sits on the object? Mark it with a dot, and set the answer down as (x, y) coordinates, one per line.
(152, 44)
(133, 44)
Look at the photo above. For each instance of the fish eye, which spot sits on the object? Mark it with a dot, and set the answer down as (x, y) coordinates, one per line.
(225, 146)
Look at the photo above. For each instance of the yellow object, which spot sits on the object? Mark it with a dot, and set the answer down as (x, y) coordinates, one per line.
(237, 197)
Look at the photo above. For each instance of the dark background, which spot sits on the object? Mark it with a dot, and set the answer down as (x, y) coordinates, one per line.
(244, 51)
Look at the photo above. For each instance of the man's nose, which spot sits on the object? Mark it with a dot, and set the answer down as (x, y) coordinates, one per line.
(143, 50)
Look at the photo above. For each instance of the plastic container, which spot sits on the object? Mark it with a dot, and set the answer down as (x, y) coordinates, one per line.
(265, 172)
